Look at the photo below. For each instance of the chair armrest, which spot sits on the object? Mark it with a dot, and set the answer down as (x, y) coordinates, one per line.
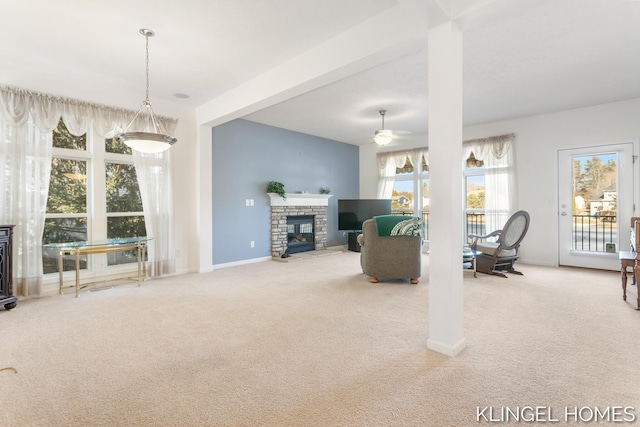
(492, 234)
(477, 237)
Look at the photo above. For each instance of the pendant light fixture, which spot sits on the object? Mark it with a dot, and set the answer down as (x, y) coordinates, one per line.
(145, 133)
(383, 136)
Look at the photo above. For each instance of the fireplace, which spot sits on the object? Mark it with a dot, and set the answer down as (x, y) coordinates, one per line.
(300, 235)
(286, 235)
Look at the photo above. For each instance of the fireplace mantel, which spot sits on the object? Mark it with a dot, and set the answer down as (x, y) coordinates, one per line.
(300, 199)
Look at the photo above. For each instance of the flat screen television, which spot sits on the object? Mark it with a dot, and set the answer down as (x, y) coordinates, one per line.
(353, 212)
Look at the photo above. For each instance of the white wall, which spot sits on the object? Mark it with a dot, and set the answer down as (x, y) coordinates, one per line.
(183, 170)
(537, 142)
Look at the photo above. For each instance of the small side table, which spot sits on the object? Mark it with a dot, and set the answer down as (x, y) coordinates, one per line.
(469, 257)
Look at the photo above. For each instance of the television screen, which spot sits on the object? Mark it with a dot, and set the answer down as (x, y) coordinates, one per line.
(353, 212)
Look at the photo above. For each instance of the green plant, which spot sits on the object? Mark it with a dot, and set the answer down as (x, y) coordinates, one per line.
(278, 188)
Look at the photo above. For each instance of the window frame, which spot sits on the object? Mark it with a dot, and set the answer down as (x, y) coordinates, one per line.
(96, 156)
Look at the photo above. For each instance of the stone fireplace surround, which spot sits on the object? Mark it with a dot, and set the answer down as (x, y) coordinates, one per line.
(297, 204)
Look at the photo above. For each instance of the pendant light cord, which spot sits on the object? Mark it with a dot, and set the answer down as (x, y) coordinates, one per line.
(146, 36)
(147, 33)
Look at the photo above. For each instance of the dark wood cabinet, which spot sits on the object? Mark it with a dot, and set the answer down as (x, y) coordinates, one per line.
(6, 268)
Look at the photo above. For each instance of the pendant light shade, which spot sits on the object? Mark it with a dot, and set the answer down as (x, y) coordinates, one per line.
(145, 133)
(383, 136)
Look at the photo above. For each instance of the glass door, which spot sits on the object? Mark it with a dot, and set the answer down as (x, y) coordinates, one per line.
(595, 202)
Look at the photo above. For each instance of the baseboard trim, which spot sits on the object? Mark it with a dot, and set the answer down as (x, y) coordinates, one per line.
(242, 262)
(447, 349)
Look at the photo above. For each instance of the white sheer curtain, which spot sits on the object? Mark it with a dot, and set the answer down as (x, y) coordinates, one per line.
(154, 179)
(26, 122)
(25, 152)
(390, 160)
(497, 154)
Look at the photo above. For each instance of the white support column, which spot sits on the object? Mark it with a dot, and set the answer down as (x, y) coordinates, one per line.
(446, 331)
(204, 185)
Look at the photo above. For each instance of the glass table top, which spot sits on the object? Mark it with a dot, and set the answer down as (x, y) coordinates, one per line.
(108, 242)
(468, 253)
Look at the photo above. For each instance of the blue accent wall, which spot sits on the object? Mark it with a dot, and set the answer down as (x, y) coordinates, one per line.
(246, 156)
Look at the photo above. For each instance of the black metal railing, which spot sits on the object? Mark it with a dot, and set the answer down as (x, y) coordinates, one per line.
(476, 224)
(594, 233)
(590, 233)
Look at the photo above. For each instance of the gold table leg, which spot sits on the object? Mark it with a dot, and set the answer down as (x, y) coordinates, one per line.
(139, 266)
(60, 257)
(77, 273)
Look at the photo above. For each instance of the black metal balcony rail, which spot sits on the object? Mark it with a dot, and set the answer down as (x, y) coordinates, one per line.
(590, 233)
(476, 224)
(597, 233)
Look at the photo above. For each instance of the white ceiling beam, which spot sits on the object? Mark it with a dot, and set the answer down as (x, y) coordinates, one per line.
(455, 9)
(390, 34)
(460, 8)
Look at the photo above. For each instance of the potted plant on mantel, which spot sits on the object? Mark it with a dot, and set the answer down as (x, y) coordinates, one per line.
(277, 188)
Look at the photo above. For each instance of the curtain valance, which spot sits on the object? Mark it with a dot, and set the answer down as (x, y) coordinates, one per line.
(482, 148)
(397, 159)
(16, 105)
(496, 146)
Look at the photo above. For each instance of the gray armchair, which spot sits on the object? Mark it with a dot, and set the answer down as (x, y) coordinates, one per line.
(389, 256)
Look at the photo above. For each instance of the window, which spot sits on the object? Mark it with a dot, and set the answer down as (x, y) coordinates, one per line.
(488, 177)
(93, 195)
(125, 217)
(474, 181)
(410, 195)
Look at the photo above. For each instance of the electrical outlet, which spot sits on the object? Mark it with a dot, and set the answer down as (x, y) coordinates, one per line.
(344, 234)
(253, 244)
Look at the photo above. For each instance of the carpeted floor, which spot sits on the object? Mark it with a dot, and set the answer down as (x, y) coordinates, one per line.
(313, 343)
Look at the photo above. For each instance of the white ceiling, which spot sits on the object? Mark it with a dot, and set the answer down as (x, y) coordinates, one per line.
(521, 57)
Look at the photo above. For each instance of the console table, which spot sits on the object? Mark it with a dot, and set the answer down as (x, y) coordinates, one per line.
(6, 268)
(139, 244)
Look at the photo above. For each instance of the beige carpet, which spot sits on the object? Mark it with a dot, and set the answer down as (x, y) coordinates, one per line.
(313, 343)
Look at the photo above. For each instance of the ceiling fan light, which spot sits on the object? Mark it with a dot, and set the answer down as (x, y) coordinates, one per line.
(383, 137)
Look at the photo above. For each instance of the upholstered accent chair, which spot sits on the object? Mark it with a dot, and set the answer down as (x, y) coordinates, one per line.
(391, 254)
(498, 256)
